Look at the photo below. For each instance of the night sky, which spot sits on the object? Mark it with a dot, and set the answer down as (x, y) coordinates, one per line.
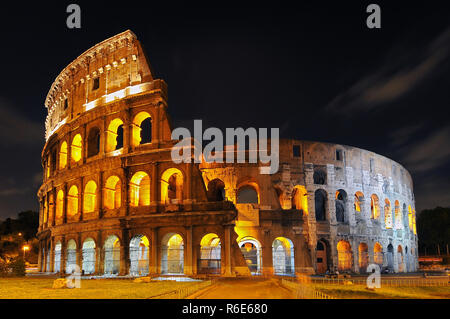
(315, 71)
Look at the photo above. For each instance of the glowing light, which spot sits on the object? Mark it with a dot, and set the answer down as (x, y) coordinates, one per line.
(26, 247)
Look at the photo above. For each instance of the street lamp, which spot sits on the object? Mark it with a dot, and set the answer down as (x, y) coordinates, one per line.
(25, 248)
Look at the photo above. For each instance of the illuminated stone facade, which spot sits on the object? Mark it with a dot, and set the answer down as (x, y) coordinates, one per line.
(113, 201)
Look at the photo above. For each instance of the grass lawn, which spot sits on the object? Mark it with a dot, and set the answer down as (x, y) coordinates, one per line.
(359, 291)
(41, 288)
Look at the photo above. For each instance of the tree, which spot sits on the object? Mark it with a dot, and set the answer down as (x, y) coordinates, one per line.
(433, 229)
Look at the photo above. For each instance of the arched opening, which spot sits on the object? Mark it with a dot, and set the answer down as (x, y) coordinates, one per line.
(51, 203)
(344, 256)
(410, 217)
(72, 201)
(387, 214)
(363, 257)
(140, 189)
(112, 195)
(320, 204)
(47, 260)
(90, 197)
(358, 202)
(57, 261)
(251, 250)
(59, 206)
(390, 257)
(63, 156)
(341, 205)
(283, 256)
(322, 257)
(172, 254)
(405, 216)
(76, 148)
(374, 207)
(139, 258)
(93, 141)
(300, 199)
(45, 209)
(112, 255)
(216, 190)
(397, 215)
(209, 261)
(319, 176)
(172, 186)
(114, 135)
(88, 251)
(378, 254)
(71, 255)
(142, 129)
(400, 259)
(247, 194)
(407, 265)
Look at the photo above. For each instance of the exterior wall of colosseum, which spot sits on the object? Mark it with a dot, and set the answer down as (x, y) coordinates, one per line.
(113, 202)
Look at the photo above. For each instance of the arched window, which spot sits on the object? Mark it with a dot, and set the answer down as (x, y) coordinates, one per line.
(172, 254)
(320, 176)
(93, 141)
(283, 256)
(114, 135)
(363, 257)
(90, 197)
(299, 199)
(63, 155)
(172, 186)
(59, 205)
(112, 196)
(139, 251)
(72, 201)
(320, 201)
(398, 215)
(142, 129)
(247, 194)
(71, 256)
(374, 207)
(344, 256)
(140, 189)
(387, 214)
(400, 259)
(112, 255)
(76, 148)
(341, 205)
(378, 254)
(210, 255)
(88, 251)
(216, 190)
(358, 202)
(410, 217)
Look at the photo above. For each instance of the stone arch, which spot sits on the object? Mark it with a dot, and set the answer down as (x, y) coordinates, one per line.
(322, 256)
(390, 257)
(378, 254)
(72, 201)
(142, 129)
(76, 148)
(112, 255)
(345, 256)
(358, 202)
(341, 206)
(112, 193)
(410, 217)
(300, 199)
(283, 256)
(172, 181)
(93, 143)
(71, 255)
(252, 251)
(247, 193)
(172, 254)
(387, 214)
(114, 135)
(320, 204)
(57, 259)
(63, 155)
(374, 207)
(216, 190)
(139, 255)
(363, 257)
(397, 215)
(210, 256)
(400, 259)
(140, 189)
(88, 252)
(59, 211)
(90, 197)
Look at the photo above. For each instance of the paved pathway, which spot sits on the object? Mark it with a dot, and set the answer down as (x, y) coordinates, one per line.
(244, 288)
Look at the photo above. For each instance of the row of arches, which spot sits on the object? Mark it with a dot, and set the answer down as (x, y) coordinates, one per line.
(345, 258)
(141, 133)
(139, 194)
(402, 218)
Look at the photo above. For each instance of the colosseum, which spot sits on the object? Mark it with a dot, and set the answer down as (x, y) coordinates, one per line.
(114, 203)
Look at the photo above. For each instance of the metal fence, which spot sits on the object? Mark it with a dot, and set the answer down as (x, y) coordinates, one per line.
(397, 282)
(304, 291)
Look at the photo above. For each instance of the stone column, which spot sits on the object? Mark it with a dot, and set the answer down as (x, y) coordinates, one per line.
(79, 252)
(266, 250)
(63, 255)
(188, 252)
(154, 198)
(125, 253)
(100, 255)
(64, 217)
(227, 250)
(153, 262)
